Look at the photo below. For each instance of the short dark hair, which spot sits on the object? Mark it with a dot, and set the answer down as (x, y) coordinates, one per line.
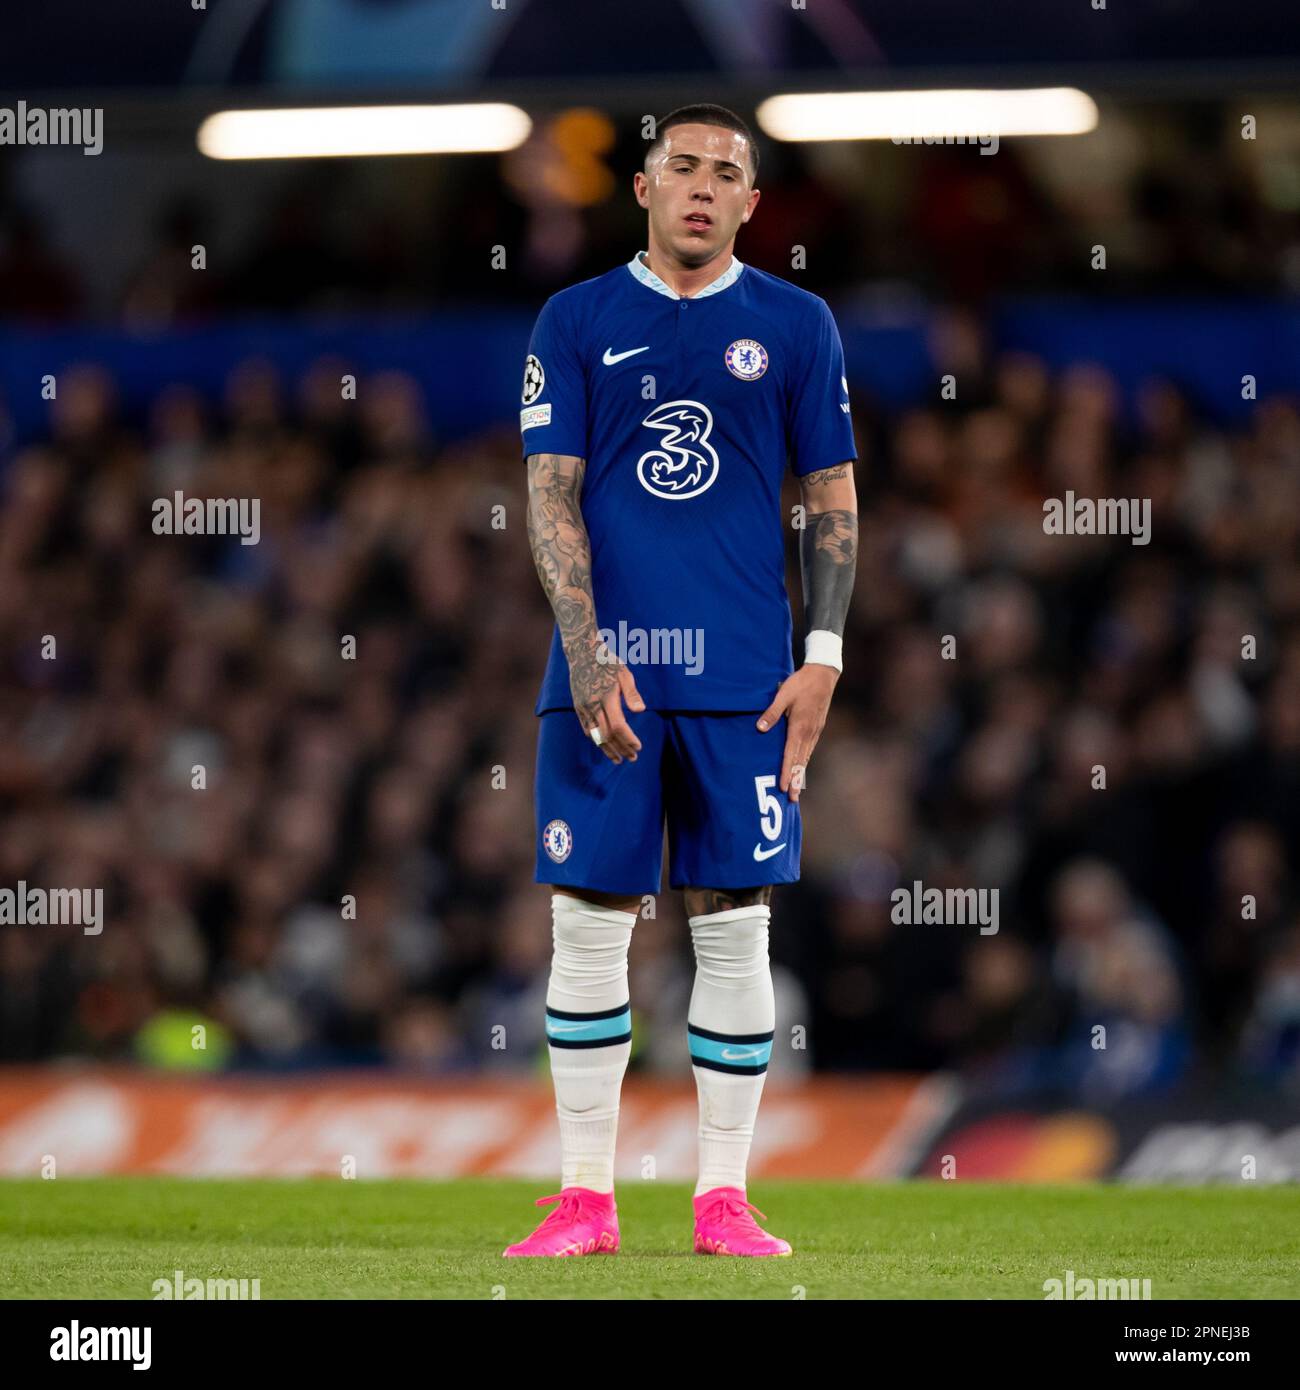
(706, 113)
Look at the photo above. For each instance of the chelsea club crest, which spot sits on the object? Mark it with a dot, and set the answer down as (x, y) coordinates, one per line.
(557, 840)
(746, 359)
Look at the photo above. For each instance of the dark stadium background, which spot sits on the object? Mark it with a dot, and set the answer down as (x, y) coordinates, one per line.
(375, 777)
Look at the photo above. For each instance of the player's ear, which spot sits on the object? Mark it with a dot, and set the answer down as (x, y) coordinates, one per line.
(754, 196)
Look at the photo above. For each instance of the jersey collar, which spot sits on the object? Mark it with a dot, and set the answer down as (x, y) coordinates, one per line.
(647, 277)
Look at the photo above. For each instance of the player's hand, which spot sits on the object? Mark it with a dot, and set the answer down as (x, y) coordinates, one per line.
(804, 698)
(600, 684)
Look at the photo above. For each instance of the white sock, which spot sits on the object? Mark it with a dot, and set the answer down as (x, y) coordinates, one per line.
(729, 1027)
(589, 1032)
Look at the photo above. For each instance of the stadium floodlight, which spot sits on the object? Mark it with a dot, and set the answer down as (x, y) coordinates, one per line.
(936, 114)
(333, 132)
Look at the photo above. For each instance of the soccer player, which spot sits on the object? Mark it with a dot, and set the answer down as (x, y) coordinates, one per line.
(662, 402)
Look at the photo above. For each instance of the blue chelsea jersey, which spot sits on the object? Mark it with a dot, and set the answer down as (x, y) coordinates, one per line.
(688, 412)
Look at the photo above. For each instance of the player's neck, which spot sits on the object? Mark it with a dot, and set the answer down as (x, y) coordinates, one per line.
(686, 280)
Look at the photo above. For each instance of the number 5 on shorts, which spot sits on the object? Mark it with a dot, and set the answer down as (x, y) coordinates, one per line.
(769, 808)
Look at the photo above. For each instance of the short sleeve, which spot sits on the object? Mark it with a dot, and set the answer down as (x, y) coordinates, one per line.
(820, 428)
(553, 414)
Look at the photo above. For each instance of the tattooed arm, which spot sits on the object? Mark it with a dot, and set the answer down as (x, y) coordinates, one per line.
(557, 535)
(828, 550)
(828, 547)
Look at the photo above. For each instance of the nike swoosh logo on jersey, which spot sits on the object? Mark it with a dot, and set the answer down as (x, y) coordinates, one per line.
(760, 853)
(729, 1056)
(611, 356)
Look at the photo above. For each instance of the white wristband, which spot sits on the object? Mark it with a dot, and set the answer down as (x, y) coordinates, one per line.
(823, 648)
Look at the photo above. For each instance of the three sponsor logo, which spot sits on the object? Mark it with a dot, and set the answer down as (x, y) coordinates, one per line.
(684, 464)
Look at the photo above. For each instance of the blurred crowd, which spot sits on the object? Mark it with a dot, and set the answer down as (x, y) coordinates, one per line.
(317, 851)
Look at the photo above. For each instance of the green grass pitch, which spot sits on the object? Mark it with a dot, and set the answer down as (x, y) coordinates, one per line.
(330, 1238)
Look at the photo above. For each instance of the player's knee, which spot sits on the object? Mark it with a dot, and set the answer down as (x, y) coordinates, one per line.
(616, 902)
(734, 930)
(590, 928)
(731, 947)
(590, 944)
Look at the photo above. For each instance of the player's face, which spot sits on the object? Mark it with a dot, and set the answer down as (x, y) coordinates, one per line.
(697, 190)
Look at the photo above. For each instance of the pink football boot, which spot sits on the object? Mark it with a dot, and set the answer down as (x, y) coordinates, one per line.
(585, 1223)
(723, 1226)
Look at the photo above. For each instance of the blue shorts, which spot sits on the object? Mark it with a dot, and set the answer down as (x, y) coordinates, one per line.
(713, 779)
